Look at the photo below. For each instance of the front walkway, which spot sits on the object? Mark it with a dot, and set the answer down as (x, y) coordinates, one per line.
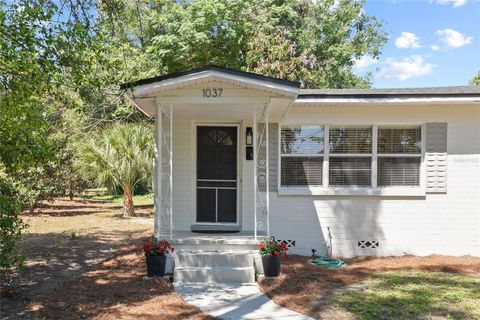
(234, 301)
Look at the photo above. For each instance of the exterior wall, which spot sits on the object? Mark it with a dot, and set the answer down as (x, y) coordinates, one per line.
(444, 223)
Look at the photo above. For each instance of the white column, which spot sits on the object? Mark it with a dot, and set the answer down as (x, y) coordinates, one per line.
(158, 172)
(255, 172)
(267, 170)
(170, 149)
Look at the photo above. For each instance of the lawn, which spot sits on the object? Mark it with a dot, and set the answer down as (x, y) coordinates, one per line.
(411, 294)
(138, 200)
(407, 287)
(83, 260)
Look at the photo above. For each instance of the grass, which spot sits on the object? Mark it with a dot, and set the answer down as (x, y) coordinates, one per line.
(138, 200)
(412, 295)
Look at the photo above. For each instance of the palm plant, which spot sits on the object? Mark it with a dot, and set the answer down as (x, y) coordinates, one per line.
(119, 155)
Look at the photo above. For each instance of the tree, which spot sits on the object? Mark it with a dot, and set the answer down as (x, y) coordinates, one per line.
(119, 155)
(43, 58)
(476, 79)
(314, 42)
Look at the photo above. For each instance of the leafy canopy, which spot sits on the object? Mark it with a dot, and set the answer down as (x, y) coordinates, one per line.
(315, 42)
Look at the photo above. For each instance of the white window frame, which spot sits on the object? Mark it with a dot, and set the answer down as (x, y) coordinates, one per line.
(349, 155)
(299, 155)
(374, 189)
(400, 155)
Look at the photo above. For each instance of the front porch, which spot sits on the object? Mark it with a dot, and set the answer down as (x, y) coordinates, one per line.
(215, 150)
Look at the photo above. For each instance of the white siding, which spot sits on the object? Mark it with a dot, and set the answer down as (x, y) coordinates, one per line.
(436, 223)
(445, 223)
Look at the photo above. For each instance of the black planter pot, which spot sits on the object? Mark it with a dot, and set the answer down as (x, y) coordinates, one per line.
(156, 265)
(271, 265)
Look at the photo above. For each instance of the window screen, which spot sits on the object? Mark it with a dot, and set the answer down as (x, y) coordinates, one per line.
(350, 171)
(302, 139)
(302, 171)
(399, 140)
(398, 171)
(350, 140)
(399, 156)
(302, 155)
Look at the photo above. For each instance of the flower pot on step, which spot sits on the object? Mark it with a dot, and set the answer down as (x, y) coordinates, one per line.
(271, 265)
(156, 265)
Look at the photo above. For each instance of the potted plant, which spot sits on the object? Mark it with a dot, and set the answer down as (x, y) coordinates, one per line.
(272, 251)
(156, 254)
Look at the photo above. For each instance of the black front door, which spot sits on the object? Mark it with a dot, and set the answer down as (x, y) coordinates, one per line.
(216, 174)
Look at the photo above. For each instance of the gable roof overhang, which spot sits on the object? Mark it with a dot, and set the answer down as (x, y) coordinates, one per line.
(144, 93)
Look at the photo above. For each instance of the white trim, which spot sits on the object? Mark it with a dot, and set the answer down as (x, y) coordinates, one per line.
(171, 172)
(326, 156)
(369, 101)
(353, 191)
(255, 171)
(213, 75)
(374, 189)
(196, 124)
(373, 168)
(350, 155)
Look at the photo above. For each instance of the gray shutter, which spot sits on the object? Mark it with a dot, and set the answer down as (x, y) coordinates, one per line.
(436, 157)
(273, 156)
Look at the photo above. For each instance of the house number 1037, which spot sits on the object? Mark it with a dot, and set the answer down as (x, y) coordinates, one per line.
(212, 93)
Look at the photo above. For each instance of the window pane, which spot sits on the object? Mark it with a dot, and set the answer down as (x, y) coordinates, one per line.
(302, 139)
(398, 171)
(350, 171)
(399, 140)
(301, 171)
(350, 140)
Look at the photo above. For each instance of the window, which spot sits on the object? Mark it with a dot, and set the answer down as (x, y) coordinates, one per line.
(399, 156)
(302, 149)
(350, 160)
(358, 156)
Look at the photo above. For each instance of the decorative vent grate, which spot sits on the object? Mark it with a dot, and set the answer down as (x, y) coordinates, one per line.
(368, 244)
(288, 243)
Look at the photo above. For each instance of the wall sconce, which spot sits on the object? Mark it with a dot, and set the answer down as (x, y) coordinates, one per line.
(249, 136)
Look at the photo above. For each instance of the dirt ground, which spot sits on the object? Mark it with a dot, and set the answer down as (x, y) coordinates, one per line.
(306, 288)
(84, 261)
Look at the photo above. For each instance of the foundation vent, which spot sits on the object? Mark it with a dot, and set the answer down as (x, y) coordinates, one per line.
(368, 244)
(288, 243)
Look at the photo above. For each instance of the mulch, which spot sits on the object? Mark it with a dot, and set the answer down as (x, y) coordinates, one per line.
(302, 286)
(115, 289)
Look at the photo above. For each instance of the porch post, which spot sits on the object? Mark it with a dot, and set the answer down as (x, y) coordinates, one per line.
(158, 172)
(171, 171)
(267, 169)
(255, 172)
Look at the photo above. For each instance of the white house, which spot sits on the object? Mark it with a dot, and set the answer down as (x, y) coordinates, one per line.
(342, 171)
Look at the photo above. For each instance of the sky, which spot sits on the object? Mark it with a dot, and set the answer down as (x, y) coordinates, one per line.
(431, 43)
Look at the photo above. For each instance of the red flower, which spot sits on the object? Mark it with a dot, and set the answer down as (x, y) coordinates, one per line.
(277, 253)
(283, 247)
(173, 249)
(262, 245)
(146, 248)
(159, 251)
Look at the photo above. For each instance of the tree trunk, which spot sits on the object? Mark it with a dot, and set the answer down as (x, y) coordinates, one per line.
(128, 208)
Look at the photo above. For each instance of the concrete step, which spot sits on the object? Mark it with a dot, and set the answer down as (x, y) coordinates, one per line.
(215, 247)
(214, 274)
(202, 258)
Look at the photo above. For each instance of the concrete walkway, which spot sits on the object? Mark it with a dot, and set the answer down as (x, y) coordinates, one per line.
(234, 301)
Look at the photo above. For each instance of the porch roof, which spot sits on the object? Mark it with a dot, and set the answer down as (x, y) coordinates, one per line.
(240, 92)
